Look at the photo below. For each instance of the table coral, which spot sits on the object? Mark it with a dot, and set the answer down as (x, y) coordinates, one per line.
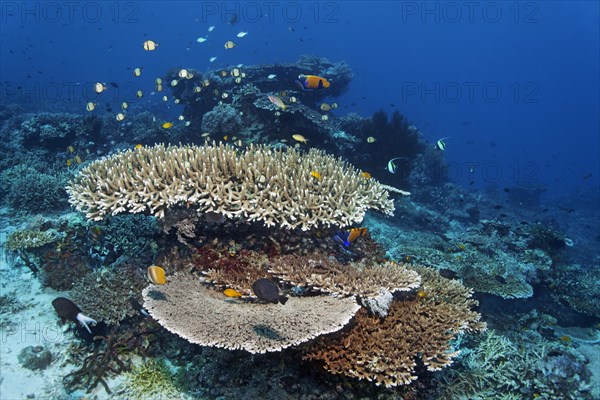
(256, 184)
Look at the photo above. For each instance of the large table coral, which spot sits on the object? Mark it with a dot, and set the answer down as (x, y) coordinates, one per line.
(192, 310)
(278, 188)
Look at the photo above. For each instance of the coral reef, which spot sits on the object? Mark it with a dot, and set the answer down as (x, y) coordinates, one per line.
(151, 380)
(364, 279)
(51, 131)
(386, 351)
(210, 318)
(394, 138)
(108, 357)
(28, 191)
(491, 257)
(32, 238)
(222, 119)
(259, 184)
(35, 357)
(527, 365)
(129, 236)
(105, 293)
(577, 285)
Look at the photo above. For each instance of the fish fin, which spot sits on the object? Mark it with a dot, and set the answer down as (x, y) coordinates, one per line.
(283, 299)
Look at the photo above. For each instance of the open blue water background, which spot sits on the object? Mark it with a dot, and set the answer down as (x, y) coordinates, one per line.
(514, 84)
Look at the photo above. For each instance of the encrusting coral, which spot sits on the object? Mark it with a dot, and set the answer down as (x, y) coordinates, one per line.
(386, 350)
(187, 307)
(257, 184)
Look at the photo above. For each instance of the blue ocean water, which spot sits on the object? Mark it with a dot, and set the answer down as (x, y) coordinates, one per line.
(514, 84)
(511, 87)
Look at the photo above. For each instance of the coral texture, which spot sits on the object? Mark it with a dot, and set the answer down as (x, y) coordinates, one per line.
(330, 276)
(257, 184)
(190, 309)
(385, 351)
(104, 294)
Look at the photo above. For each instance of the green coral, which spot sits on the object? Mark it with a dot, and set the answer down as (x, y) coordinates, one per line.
(152, 380)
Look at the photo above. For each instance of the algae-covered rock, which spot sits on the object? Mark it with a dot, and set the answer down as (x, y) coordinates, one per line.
(35, 357)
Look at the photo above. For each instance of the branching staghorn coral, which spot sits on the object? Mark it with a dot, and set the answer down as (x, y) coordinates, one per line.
(385, 350)
(257, 184)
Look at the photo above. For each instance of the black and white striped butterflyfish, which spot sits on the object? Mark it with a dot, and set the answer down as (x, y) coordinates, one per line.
(440, 144)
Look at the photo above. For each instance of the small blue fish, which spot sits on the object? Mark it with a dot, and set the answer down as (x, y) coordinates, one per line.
(342, 238)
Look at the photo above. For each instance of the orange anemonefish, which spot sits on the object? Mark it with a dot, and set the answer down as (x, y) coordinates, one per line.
(156, 275)
(312, 82)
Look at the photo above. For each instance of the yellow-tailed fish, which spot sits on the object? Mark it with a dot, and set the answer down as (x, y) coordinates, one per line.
(230, 44)
(325, 107)
(156, 275)
(90, 106)
(70, 149)
(299, 138)
(78, 159)
(120, 117)
(139, 93)
(124, 105)
(371, 139)
(137, 72)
